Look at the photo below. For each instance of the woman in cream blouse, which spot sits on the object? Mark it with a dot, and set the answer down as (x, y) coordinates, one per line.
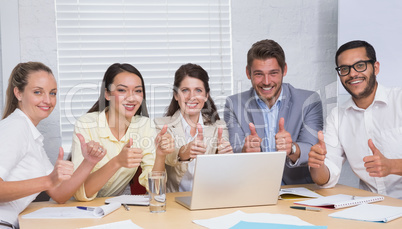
(194, 123)
(119, 122)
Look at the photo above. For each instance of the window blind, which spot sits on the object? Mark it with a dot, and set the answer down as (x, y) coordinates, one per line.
(155, 36)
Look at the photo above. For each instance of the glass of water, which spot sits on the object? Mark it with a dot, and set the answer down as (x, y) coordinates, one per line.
(157, 191)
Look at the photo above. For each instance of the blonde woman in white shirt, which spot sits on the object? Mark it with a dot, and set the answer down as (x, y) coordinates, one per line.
(194, 123)
(25, 169)
(119, 122)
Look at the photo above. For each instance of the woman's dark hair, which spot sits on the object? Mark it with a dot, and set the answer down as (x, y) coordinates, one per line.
(19, 79)
(108, 79)
(370, 52)
(209, 111)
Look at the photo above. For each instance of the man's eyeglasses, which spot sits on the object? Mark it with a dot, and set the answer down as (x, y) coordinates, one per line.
(360, 66)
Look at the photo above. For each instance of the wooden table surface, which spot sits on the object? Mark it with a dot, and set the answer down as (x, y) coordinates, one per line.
(177, 216)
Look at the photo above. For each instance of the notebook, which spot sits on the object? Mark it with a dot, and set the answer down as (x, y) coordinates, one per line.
(297, 193)
(340, 201)
(139, 200)
(234, 180)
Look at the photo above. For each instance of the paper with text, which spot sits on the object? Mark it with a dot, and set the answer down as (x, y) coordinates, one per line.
(71, 212)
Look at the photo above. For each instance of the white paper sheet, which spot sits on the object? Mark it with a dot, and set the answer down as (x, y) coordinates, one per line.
(71, 212)
(227, 221)
(370, 212)
(126, 224)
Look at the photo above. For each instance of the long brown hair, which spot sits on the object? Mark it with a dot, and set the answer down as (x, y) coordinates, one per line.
(209, 111)
(108, 78)
(19, 79)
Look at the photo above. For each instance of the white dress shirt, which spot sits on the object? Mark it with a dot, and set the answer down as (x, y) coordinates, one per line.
(347, 133)
(186, 183)
(22, 157)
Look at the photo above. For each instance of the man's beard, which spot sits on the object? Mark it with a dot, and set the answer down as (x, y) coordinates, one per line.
(367, 91)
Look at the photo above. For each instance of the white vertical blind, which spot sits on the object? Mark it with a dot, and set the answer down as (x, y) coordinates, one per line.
(155, 36)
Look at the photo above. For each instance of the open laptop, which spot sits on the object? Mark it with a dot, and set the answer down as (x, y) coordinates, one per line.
(234, 180)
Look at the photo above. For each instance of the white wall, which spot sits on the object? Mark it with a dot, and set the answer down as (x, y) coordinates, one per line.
(306, 30)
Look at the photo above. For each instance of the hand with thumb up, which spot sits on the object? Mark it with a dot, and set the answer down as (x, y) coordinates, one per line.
(317, 153)
(195, 147)
(129, 157)
(283, 141)
(252, 143)
(164, 142)
(63, 170)
(223, 145)
(316, 158)
(377, 165)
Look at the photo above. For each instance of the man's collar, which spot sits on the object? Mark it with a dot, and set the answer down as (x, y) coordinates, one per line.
(381, 96)
(260, 101)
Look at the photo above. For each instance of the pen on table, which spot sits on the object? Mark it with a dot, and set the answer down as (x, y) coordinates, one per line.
(126, 207)
(86, 208)
(306, 208)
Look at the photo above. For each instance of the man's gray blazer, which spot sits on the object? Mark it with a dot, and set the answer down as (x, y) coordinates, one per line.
(302, 111)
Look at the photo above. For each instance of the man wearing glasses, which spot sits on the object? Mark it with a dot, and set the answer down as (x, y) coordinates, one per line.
(366, 129)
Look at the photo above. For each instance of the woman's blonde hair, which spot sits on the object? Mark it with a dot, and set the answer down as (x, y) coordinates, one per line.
(19, 79)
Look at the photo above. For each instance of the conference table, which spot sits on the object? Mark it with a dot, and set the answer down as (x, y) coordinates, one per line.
(177, 216)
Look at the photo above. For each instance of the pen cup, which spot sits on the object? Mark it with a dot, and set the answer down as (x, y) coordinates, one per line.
(157, 191)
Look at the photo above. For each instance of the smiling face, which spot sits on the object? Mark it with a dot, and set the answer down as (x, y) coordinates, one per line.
(191, 96)
(38, 99)
(266, 77)
(125, 94)
(360, 85)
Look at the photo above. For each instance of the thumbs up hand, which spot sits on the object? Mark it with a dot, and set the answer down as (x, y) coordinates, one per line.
(195, 147)
(91, 151)
(317, 153)
(198, 146)
(283, 139)
(223, 145)
(129, 157)
(252, 143)
(164, 142)
(62, 171)
(377, 165)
